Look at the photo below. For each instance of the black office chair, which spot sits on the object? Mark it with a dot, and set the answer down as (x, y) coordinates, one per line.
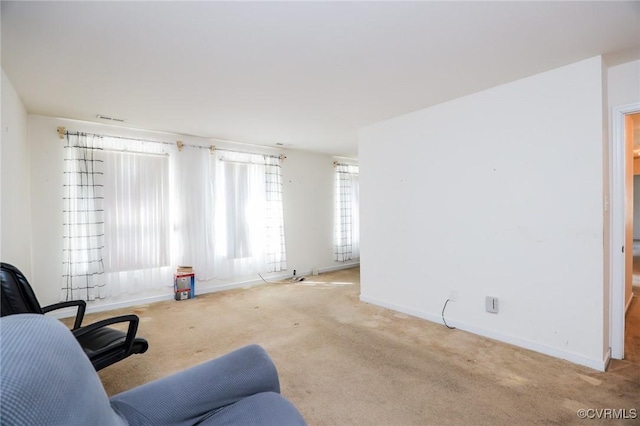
(103, 345)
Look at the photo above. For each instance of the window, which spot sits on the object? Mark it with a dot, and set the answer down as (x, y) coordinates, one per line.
(116, 220)
(239, 204)
(136, 211)
(347, 212)
(248, 218)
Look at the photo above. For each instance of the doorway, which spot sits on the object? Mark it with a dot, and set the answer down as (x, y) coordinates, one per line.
(620, 231)
(632, 276)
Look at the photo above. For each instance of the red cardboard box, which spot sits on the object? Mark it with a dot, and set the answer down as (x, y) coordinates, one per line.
(184, 285)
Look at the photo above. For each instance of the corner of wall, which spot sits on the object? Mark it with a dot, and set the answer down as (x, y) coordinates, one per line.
(15, 205)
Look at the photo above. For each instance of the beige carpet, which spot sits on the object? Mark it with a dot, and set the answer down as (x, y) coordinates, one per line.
(344, 362)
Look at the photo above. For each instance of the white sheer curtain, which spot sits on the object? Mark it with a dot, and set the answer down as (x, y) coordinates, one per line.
(137, 215)
(248, 220)
(134, 210)
(347, 212)
(192, 208)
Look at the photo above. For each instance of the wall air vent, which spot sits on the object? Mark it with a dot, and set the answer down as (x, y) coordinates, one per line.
(104, 117)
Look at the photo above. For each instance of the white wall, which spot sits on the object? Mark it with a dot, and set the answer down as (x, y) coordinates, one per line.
(307, 194)
(624, 84)
(15, 223)
(308, 210)
(499, 194)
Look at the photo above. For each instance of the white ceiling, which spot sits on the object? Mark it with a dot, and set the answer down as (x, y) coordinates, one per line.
(304, 74)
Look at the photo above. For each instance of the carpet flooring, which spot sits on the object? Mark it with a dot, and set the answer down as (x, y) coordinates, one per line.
(345, 362)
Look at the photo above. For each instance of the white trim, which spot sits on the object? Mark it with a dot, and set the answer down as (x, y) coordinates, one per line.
(71, 312)
(607, 359)
(338, 267)
(599, 365)
(626, 308)
(617, 229)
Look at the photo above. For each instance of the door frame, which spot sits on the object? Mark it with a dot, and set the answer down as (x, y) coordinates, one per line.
(617, 229)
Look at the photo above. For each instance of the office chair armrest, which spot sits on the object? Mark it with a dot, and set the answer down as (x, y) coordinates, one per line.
(131, 331)
(81, 304)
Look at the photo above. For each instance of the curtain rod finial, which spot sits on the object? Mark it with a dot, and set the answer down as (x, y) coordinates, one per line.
(212, 148)
(180, 145)
(283, 157)
(61, 132)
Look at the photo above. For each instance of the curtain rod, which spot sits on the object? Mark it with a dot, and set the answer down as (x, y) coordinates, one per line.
(281, 156)
(62, 132)
(338, 163)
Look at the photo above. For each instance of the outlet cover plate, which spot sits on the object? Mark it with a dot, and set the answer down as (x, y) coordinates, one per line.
(491, 304)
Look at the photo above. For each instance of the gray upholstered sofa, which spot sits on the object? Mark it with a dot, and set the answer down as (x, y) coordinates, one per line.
(46, 379)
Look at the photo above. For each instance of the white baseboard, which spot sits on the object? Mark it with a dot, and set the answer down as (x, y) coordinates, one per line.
(71, 312)
(338, 267)
(200, 289)
(607, 359)
(309, 272)
(516, 341)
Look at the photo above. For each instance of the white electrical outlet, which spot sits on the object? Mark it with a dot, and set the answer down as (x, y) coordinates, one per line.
(453, 295)
(491, 304)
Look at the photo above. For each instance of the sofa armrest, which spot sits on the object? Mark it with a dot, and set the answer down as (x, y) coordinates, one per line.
(196, 392)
